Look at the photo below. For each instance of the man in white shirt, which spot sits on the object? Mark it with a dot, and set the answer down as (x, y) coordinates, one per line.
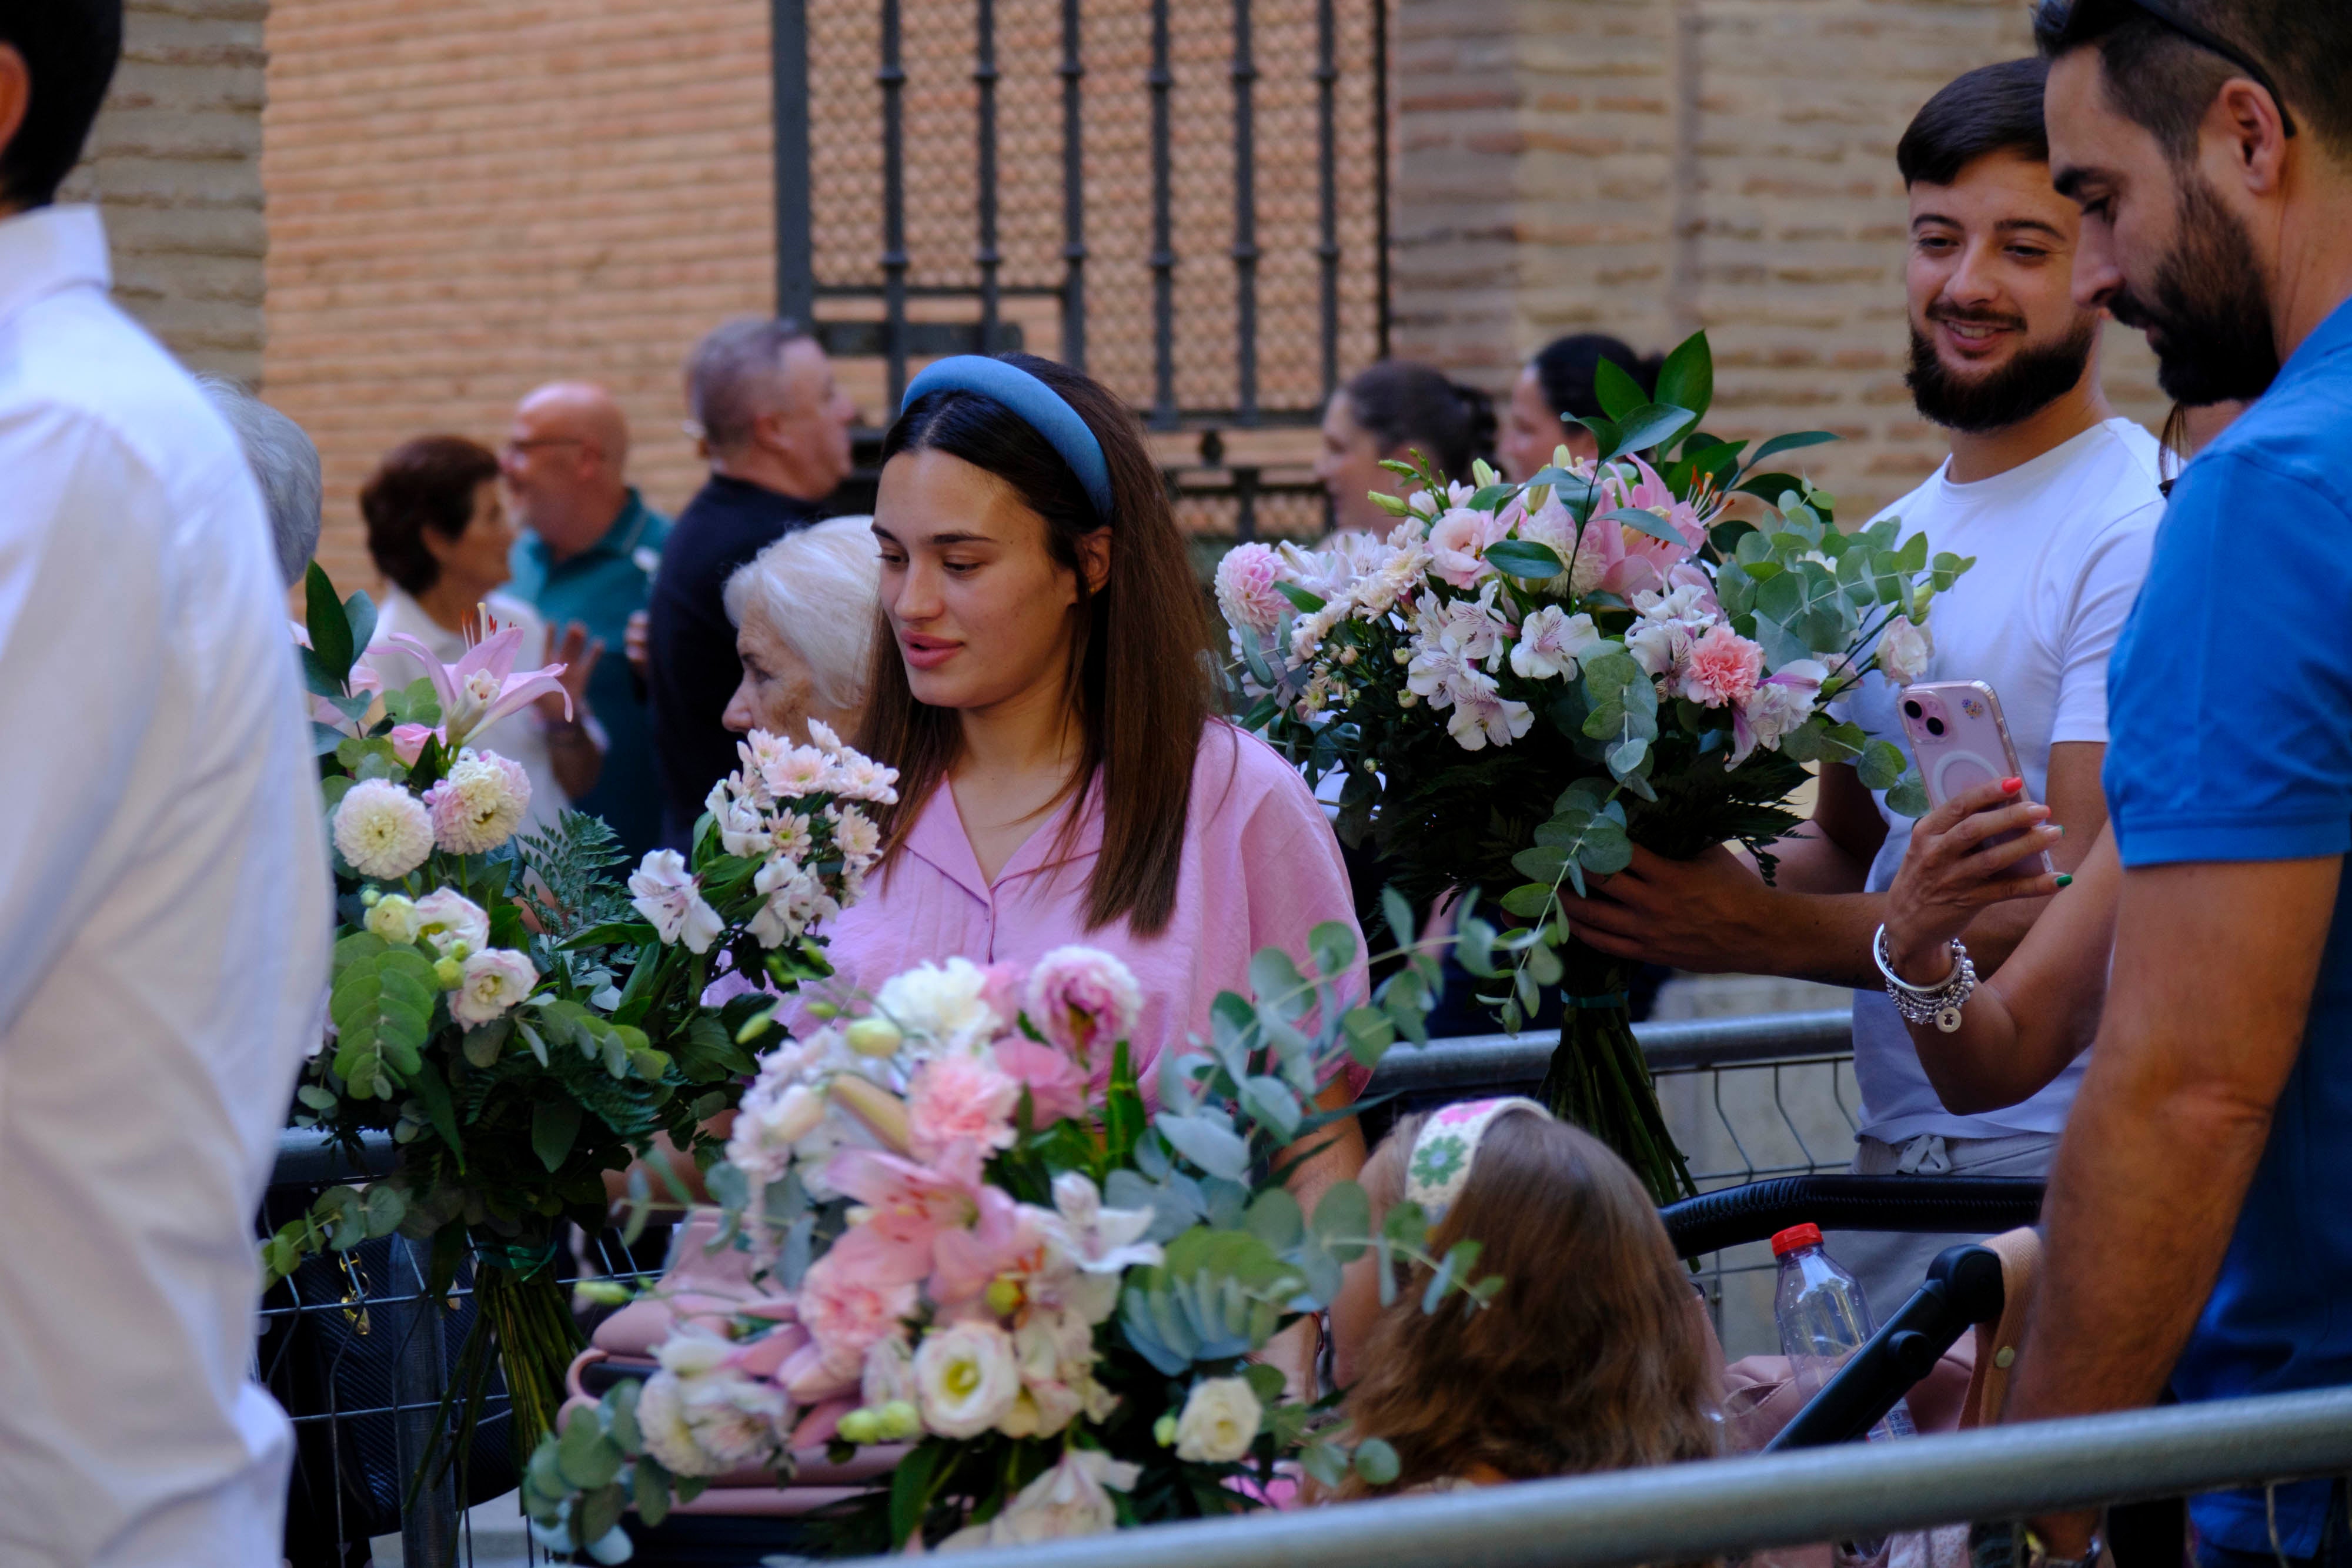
(163, 891)
(2057, 500)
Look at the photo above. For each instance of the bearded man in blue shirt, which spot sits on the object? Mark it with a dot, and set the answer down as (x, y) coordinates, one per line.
(2196, 1221)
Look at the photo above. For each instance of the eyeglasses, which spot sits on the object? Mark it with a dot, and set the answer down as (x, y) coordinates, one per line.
(2057, 19)
(516, 448)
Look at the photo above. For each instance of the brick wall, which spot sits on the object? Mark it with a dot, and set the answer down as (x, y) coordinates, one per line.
(1647, 167)
(469, 198)
(175, 163)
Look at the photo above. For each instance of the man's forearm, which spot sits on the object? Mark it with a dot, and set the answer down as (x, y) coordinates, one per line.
(2142, 1202)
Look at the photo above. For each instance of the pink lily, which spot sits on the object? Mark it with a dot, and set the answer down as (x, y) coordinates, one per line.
(482, 688)
(1632, 560)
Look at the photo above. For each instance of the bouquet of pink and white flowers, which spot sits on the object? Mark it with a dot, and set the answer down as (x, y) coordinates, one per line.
(517, 1018)
(969, 1235)
(1520, 682)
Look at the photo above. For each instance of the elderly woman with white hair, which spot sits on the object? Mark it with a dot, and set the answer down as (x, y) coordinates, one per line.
(804, 613)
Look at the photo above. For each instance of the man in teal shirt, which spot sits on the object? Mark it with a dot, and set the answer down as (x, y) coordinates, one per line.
(587, 554)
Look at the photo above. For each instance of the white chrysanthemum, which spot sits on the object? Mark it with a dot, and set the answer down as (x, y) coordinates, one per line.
(382, 830)
(480, 803)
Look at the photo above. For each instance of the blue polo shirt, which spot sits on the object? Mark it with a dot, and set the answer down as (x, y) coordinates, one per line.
(600, 588)
(2229, 710)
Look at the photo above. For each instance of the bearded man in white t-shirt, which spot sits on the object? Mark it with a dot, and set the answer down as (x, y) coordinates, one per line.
(2056, 499)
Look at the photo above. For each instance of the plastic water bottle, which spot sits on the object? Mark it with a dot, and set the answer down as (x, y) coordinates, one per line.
(1823, 1319)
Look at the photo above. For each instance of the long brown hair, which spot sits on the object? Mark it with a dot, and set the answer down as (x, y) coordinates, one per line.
(1592, 1357)
(1137, 681)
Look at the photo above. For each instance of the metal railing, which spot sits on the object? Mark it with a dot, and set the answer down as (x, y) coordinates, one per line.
(1726, 1507)
(385, 1292)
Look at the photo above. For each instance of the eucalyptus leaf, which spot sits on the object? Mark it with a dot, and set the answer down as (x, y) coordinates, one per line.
(1212, 1146)
(1881, 765)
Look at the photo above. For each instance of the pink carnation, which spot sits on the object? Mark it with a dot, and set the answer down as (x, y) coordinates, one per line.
(1722, 669)
(961, 1099)
(1458, 541)
(1083, 1000)
(1246, 591)
(846, 1311)
(1056, 1085)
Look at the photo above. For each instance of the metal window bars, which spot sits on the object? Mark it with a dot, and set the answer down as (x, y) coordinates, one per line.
(1045, 174)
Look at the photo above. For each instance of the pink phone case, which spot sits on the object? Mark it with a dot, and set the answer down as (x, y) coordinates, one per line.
(1960, 741)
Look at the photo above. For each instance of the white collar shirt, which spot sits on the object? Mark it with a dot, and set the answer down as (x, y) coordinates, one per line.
(165, 908)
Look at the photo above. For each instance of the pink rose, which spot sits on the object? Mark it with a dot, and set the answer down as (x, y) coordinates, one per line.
(1722, 669)
(1056, 1085)
(961, 1099)
(1458, 541)
(1083, 1000)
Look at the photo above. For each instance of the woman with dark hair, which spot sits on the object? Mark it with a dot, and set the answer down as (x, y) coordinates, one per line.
(1041, 681)
(438, 527)
(1555, 388)
(1388, 411)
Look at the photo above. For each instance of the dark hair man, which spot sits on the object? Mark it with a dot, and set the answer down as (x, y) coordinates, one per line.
(163, 889)
(2056, 499)
(777, 428)
(2196, 1222)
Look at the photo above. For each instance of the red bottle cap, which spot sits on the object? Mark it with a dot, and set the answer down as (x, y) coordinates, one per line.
(1796, 1236)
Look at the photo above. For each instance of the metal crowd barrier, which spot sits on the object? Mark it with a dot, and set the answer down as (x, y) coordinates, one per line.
(1739, 1080)
(1726, 1508)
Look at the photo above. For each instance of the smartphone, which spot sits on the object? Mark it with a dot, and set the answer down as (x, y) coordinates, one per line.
(1961, 740)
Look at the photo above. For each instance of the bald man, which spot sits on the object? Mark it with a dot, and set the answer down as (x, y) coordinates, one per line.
(587, 554)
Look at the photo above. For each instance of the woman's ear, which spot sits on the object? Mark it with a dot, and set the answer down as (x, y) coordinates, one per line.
(1094, 558)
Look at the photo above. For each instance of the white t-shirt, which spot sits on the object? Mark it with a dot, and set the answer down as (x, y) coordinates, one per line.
(164, 921)
(2061, 544)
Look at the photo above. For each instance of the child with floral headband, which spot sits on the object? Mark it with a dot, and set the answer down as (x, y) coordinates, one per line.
(1596, 1353)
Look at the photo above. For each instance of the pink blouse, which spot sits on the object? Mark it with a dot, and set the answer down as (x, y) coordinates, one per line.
(1260, 869)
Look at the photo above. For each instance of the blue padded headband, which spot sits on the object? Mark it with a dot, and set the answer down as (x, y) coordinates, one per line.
(1040, 408)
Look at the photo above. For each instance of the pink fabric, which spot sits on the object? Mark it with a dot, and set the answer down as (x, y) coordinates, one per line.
(1261, 867)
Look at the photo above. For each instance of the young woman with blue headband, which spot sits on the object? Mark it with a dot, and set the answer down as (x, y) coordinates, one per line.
(1043, 683)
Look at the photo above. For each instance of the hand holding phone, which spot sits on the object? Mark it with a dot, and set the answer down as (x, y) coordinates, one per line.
(1961, 741)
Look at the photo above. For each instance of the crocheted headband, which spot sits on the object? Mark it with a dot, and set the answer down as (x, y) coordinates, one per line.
(1440, 1166)
(1040, 407)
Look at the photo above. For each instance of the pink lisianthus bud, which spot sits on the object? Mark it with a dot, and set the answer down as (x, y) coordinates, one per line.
(408, 742)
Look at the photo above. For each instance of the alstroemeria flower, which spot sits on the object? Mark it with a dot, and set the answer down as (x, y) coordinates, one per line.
(482, 688)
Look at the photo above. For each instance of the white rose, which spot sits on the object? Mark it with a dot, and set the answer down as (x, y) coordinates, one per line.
(382, 830)
(966, 1378)
(492, 982)
(1904, 651)
(1219, 1421)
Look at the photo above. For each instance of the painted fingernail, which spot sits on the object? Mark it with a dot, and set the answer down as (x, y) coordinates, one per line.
(2012, 785)
(2064, 880)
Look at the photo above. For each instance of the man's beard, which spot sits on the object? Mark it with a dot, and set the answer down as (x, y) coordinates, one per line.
(2208, 313)
(2033, 379)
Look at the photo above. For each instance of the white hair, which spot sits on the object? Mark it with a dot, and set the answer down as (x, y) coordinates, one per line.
(815, 587)
(285, 463)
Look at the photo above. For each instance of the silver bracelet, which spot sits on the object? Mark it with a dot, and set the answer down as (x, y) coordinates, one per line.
(1939, 1003)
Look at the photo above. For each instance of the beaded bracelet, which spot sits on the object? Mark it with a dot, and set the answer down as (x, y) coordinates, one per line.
(1939, 1003)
